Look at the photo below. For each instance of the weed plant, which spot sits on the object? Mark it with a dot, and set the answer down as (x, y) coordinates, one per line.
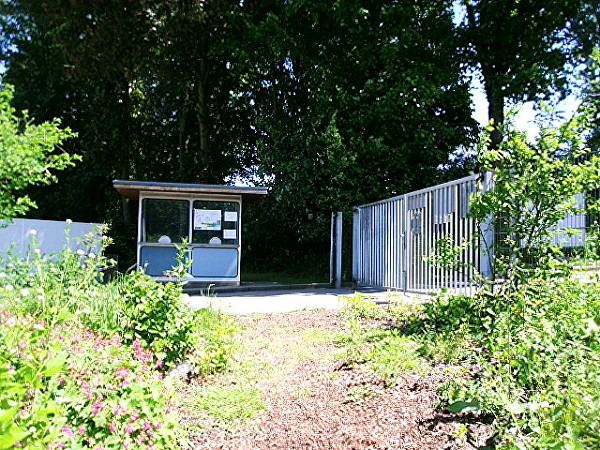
(81, 361)
(529, 358)
(372, 338)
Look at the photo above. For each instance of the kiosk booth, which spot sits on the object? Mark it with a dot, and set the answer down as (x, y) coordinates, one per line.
(208, 216)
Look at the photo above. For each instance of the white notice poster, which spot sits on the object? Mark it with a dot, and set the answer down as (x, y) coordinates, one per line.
(207, 219)
(230, 216)
(229, 234)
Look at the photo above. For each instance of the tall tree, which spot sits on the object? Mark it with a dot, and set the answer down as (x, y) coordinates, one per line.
(520, 49)
(358, 101)
(28, 154)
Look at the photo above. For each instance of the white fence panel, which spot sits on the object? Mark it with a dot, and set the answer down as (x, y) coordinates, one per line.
(50, 235)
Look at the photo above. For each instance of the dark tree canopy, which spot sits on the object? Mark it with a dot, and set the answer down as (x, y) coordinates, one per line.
(521, 48)
(332, 104)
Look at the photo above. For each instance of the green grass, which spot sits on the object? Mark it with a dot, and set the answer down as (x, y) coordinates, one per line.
(230, 405)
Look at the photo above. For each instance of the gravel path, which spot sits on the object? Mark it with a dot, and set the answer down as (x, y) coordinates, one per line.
(314, 401)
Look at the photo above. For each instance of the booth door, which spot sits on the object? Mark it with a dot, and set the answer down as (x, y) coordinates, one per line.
(215, 239)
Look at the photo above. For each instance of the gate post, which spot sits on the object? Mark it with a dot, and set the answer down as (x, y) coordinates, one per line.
(487, 235)
(355, 246)
(335, 266)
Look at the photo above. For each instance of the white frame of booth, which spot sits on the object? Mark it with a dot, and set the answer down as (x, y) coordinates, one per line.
(194, 249)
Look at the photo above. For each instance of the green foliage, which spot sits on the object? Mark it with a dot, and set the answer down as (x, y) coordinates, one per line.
(536, 366)
(392, 354)
(385, 351)
(46, 285)
(159, 316)
(360, 306)
(531, 61)
(27, 155)
(63, 385)
(81, 361)
(534, 186)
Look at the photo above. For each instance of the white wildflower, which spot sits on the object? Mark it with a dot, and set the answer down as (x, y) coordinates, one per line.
(25, 292)
(80, 252)
(9, 287)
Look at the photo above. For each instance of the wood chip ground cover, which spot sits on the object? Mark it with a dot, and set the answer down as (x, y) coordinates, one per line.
(295, 394)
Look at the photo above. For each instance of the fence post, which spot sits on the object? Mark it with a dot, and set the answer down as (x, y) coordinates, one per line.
(355, 246)
(487, 234)
(335, 267)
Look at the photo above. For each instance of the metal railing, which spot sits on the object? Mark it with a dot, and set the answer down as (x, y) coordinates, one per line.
(392, 239)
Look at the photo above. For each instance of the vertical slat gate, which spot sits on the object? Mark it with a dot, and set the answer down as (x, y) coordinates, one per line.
(392, 238)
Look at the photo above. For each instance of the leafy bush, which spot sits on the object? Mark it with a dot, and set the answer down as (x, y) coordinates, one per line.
(44, 285)
(27, 155)
(538, 365)
(65, 386)
(156, 314)
(81, 360)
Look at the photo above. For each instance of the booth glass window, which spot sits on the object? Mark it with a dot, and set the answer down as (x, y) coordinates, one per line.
(215, 222)
(165, 220)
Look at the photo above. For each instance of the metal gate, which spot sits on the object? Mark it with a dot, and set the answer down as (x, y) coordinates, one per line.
(392, 238)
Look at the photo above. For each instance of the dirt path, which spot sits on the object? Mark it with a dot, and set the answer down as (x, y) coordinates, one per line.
(314, 401)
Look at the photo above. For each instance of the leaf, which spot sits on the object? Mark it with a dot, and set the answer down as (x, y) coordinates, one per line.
(464, 407)
(515, 408)
(54, 365)
(14, 435)
(6, 415)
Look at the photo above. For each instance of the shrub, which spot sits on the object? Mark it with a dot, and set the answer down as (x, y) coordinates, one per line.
(156, 314)
(65, 386)
(539, 367)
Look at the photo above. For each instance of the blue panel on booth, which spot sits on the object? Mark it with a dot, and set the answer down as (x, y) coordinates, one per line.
(215, 262)
(157, 260)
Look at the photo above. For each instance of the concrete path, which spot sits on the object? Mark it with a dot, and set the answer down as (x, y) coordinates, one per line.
(269, 301)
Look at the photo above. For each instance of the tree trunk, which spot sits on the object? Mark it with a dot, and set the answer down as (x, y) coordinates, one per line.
(495, 107)
(201, 162)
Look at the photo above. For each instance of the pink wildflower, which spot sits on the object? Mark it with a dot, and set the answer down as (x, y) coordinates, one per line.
(68, 432)
(119, 410)
(97, 407)
(123, 373)
(146, 425)
(112, 428)
(81, 430)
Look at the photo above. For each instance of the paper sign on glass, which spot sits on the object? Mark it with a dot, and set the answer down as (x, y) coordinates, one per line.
(229, 234)
(207, 219)
(230, 216)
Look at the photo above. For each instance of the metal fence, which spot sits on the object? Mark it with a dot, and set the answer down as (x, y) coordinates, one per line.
(392, 239)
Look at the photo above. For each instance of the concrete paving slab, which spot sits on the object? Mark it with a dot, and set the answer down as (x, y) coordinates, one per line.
(271, 301)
